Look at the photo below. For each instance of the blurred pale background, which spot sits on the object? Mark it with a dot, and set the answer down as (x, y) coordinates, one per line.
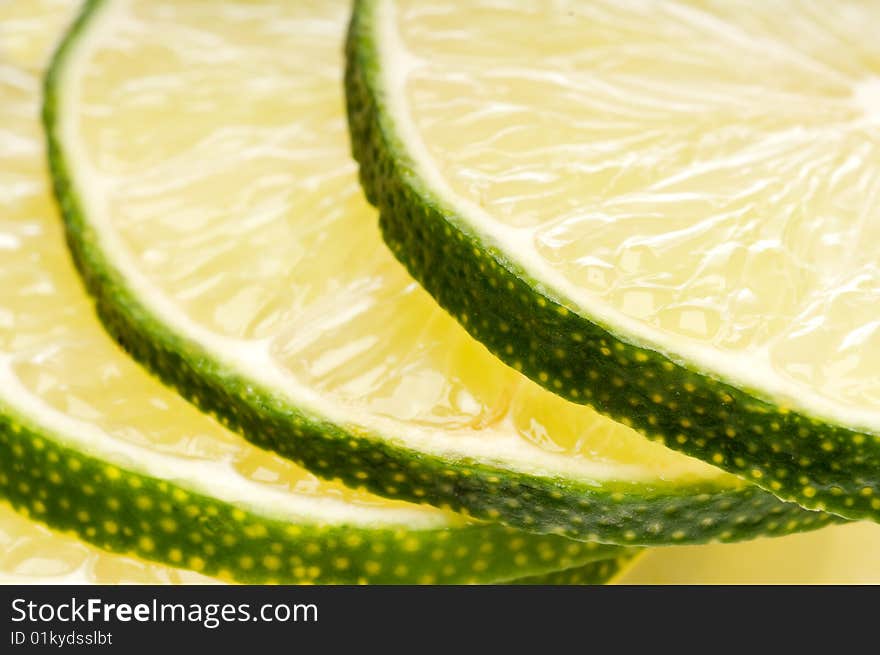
(846, 554)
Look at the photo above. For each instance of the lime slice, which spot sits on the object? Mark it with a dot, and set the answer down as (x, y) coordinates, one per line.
(659, 211)
(214, 212)
(90, 444)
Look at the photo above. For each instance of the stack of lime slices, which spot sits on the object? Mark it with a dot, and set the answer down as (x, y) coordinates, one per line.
(92, 446)
(623, 243)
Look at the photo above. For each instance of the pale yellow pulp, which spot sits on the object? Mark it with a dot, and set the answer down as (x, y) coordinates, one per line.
(702, 176)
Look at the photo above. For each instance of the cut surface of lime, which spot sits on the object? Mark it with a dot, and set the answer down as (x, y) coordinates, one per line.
(214, 211)
(661, 210)
(92, 445)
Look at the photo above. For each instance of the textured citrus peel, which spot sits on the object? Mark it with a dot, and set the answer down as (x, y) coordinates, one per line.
(123, 511)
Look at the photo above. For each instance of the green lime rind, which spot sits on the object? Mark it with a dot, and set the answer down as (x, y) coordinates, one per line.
(124, 511)
(595, 573)
(796, 457)
(620, 512)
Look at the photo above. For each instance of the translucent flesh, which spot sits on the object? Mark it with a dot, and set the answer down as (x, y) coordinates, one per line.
(32, 554)
(52, 344)
(704, 175)
(212, 147)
